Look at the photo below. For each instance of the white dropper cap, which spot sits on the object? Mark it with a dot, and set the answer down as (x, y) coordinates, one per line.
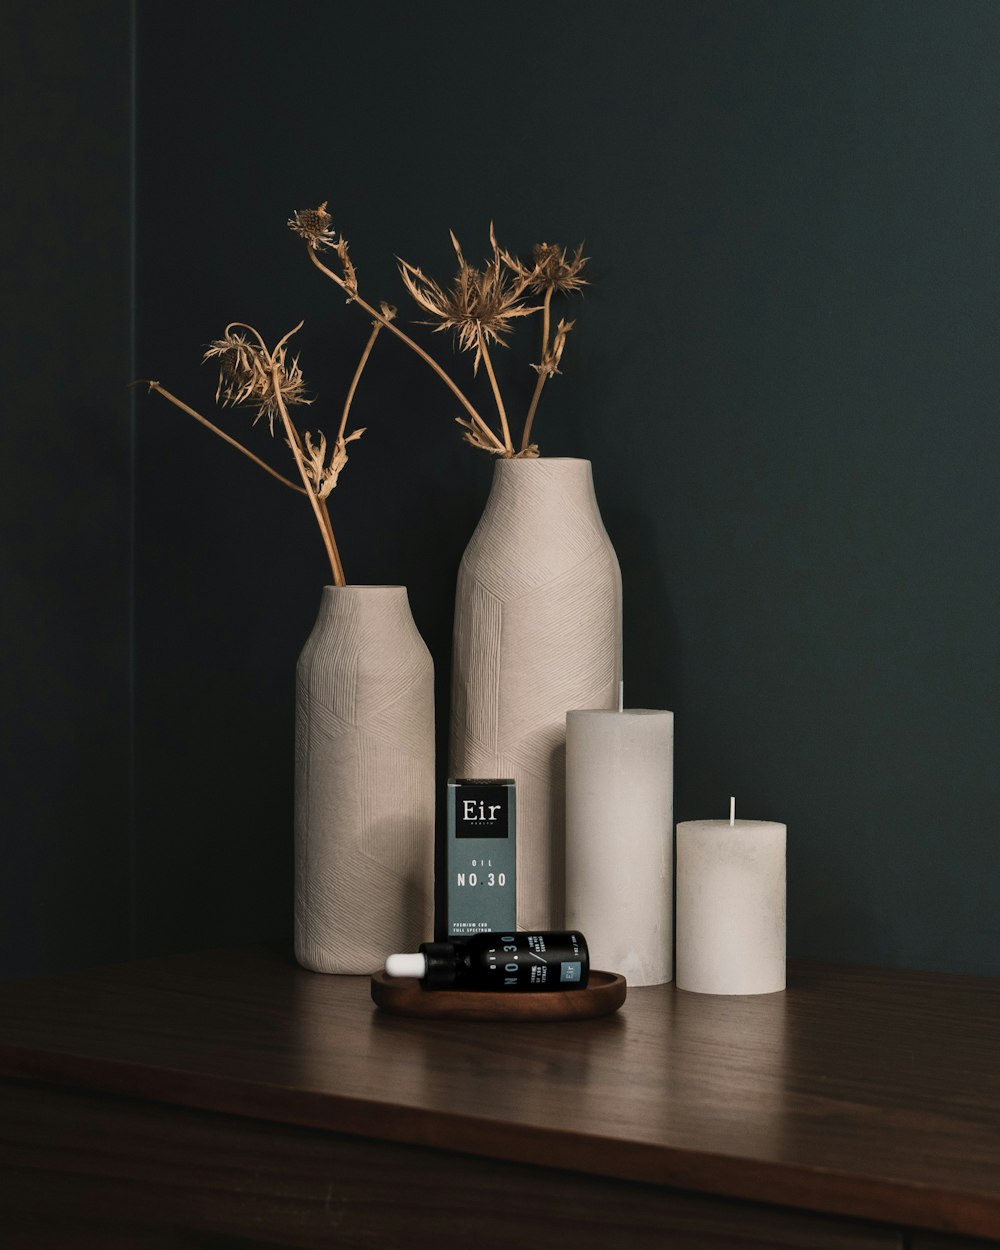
(406, 966)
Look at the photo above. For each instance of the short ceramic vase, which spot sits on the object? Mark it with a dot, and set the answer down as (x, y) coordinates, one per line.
(538, 631)
(364, 783)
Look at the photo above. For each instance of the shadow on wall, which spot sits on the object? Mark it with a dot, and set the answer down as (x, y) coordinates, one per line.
(651, 640)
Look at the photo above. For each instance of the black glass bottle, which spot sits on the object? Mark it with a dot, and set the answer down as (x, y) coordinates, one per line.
(499, 962)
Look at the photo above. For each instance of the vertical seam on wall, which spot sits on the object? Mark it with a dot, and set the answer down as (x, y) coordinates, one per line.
(131, 901)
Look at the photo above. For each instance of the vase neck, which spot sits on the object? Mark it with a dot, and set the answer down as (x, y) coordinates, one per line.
(361, 601)
(543, 480)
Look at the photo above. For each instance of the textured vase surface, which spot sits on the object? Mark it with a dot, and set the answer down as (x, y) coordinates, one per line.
(537, 632)
(364, 783)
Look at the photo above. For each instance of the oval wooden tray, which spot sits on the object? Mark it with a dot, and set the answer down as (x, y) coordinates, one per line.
(403, 996)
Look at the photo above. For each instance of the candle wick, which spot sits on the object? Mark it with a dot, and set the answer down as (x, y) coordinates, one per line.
(732, 810)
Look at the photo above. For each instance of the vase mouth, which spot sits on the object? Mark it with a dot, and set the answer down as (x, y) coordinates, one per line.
(362, 586)
(553, 465)
(545, 460)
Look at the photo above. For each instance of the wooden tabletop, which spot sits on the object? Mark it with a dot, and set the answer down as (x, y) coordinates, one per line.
(859, 1091)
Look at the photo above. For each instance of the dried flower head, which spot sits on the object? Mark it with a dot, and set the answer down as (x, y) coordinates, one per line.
(315, 225)
(550, 269)
(249, 374)
(480, 305)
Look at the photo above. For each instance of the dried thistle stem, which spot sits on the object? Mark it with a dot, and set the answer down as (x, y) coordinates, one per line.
(322, 510)
(508, 445)
(337, 563)
(424, 356)
(376, 330)
(322, 516)
(318, 504)
(540, 380)
(179, 403)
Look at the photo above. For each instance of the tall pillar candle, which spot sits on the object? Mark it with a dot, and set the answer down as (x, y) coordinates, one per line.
(731, 906)
(619, 839)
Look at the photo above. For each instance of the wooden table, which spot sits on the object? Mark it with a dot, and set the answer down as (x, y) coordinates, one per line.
(232, 1099)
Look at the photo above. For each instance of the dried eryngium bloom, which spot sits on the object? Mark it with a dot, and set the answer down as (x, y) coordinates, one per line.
(480, 305)
(315, 225)
(247, 375)
(239, 360)
(550, 269)
(554, 270)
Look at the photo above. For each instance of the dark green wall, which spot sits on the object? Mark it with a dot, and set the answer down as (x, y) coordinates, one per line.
(784, 372)
(65, 451)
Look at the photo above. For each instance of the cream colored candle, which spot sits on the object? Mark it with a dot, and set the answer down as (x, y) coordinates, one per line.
(619, 839)
(731, 906)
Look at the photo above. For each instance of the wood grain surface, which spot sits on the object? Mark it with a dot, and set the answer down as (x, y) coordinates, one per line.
(858, 1092)
(121, 1172)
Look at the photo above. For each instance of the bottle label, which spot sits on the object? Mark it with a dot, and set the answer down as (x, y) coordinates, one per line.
(480, 857)
(530, 961)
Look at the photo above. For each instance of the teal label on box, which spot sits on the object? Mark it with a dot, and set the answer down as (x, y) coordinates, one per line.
(481, 857)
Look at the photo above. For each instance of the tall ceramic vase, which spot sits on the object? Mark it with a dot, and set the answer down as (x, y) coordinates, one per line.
(537, 632)
(364, 783)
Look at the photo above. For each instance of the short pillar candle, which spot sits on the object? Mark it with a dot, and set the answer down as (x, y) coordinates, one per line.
(731, 906)
(619, 839)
